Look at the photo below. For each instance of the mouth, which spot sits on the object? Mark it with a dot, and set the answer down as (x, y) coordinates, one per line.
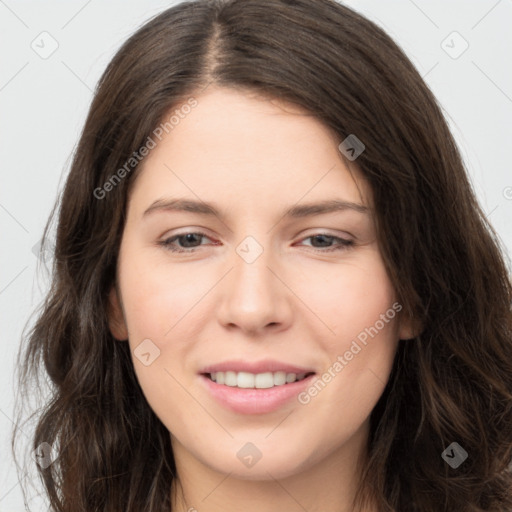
(248, 380)
(250, 393)
(255, 387)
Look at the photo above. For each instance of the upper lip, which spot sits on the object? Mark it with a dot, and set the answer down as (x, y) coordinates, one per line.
(267, 365)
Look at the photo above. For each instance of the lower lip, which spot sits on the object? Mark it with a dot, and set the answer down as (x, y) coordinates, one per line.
(254, 401)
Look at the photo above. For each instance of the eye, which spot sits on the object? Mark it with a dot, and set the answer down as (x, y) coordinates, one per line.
(189, 241)
(325, 240)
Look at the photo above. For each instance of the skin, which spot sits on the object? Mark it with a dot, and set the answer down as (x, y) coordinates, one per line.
(254, 158)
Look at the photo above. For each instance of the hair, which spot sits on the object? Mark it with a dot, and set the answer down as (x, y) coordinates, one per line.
(451, 383)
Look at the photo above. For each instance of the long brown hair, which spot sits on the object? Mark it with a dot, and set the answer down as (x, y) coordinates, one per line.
(450, 384)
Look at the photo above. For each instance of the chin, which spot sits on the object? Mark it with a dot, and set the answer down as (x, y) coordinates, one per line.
(271, 464)
(261, 471)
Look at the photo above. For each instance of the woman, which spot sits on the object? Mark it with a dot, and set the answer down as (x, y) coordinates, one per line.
(274, 288)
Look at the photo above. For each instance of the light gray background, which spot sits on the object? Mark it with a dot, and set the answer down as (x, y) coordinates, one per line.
(43, 104)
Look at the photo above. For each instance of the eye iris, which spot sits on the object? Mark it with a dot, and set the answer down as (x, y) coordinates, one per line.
(325, 238)
(189, 238)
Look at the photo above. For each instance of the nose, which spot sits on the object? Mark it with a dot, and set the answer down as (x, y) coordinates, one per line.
(254, 297)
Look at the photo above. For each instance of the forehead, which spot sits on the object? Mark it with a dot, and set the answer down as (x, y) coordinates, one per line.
(240, 148)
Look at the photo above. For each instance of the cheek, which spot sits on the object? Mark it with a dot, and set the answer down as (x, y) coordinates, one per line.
(158, 299)
(159, 303)
(350, 298)
(358, 304)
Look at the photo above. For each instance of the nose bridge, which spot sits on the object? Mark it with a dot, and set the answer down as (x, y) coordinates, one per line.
(252, 297)
(252, 278)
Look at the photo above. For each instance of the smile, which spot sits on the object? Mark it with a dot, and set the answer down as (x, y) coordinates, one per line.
(249, 380)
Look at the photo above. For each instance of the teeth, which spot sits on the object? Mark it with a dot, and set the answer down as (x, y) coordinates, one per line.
(258, 380)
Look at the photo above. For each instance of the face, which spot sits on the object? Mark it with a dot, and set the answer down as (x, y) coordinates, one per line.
(262, 328)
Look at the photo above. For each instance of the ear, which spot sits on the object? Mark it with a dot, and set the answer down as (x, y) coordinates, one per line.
(409, 327)
(115, 316)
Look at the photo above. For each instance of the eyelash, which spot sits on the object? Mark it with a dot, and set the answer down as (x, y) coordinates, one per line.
(343, 243)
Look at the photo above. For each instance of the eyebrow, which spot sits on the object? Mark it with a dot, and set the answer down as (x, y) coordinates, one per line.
(295, 211)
